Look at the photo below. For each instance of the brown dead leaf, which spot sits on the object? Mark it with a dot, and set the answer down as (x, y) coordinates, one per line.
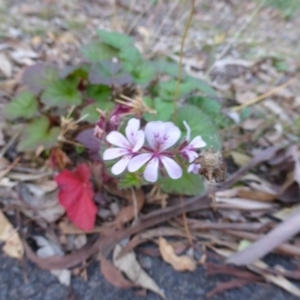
(13, 246)
(113, 275)
(240, 159)
(256, 195)
(179, 263)
(150, 234)
(130, 266)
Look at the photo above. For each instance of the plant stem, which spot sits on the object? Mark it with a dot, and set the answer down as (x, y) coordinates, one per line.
(187, 26)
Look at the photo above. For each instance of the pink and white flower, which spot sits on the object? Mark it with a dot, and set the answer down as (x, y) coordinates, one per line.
(194, 168)
(127, 146)
(188, 150)
(160, 137)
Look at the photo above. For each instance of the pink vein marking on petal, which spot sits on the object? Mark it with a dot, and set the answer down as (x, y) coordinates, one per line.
(120, 166)
(197, 142)
(132, 129)
(138, 161)
(170, 137)
(113, 153)
(172, 167)
(153, 131)
(140, 140)
(151, 170)
(117, 139)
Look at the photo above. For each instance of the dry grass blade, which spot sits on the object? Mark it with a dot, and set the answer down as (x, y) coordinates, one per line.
(269, 242)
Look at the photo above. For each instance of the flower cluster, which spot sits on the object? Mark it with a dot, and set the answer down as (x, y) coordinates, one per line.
(157, 153)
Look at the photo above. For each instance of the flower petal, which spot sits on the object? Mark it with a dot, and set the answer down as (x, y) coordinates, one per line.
(117, 139)
(197, 142)
(151, 170)
(131, 130)
(153, 131)
(172, 167)
(194, 168)
(113, 153)
(192, 155)
(188, 130)
(121, 165)
(161, 135)
(138, 161)
(140, 140)
(171, 136)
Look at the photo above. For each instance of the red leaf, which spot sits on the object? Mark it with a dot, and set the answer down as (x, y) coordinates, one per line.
(76, 196)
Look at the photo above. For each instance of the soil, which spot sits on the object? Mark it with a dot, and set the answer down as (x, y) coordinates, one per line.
(28, 282)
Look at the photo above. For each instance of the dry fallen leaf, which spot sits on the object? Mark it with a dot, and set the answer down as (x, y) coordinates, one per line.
(130, 266)
(179, 263)
(12, 243)
(39, 204)
(279, 280)
(113, 275)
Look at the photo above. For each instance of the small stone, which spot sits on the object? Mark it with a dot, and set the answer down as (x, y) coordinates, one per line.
(114, 207)
(146, 262)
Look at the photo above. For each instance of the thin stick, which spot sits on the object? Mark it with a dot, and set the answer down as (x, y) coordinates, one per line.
(135, 209)
(186, 226)
(265, 95)
(187, 26)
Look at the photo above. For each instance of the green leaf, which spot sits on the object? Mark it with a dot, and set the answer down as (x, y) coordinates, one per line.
(189, 184)
(62, 93)
(207, 105)
(93, 114)
(200, 124)
(130, 55)
(142, 73)
(166, 89)
(97, 51)
(100, 93)
(38, 133)
(110, 74)
(202, 86)
(164, 110)
(167, 67)
(115, 39)
(37, 77)
(129, 180)
(73, 72)
(24, 106)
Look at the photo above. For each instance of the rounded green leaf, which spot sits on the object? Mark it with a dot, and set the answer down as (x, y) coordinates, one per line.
(200, 124)
(38, 133)
(24, 106)
(62, 93)
(189, 184)
(115, 39)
